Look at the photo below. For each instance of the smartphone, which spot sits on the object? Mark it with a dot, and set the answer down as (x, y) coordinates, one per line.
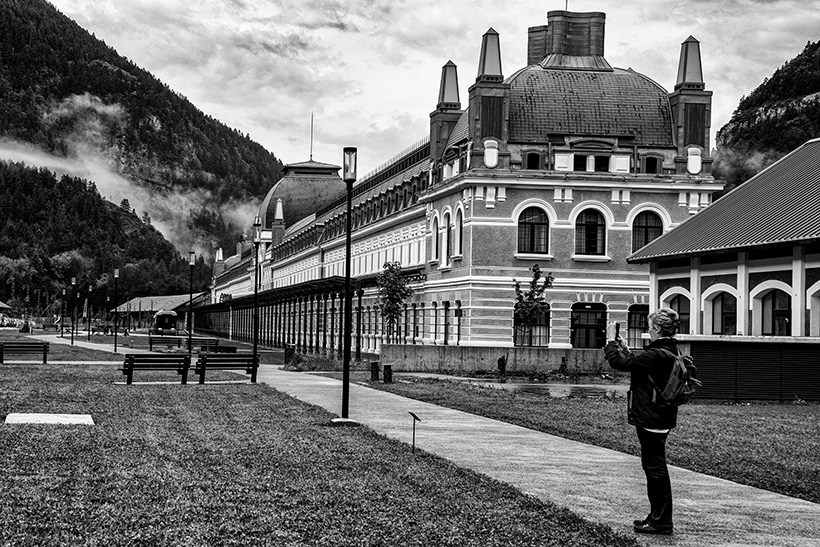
(617, 330)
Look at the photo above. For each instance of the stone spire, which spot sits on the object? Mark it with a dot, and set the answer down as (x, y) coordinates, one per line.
(448, 90)
(690, 72)
(489, 63)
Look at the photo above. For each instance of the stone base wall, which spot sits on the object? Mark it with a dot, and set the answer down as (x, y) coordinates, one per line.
(424, 358)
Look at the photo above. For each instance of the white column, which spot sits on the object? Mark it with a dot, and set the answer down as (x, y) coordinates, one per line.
(653, 287)
(798, 291)
(744, 303)
(695, 319)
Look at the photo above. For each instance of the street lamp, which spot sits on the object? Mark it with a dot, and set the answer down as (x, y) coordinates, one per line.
(349, 176)
(62, 317)
(73, 306)
(88, 311)
(191, 263)
(257, 239)
(116, 309)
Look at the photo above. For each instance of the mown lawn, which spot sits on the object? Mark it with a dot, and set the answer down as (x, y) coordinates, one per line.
(237, 464)
(769, 446)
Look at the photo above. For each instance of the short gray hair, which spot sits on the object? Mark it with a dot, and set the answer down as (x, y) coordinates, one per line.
(667, 320)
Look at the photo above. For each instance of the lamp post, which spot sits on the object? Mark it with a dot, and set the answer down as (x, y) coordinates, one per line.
(88, 311)
(191, 263)
(257, 239)
(62, 317)
(73, 306)
(116, 310)
(349, 176)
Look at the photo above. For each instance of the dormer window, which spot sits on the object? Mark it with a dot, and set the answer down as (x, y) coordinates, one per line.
(532, 160)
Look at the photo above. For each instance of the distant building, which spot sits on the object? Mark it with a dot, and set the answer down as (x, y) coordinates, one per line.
(567, 163)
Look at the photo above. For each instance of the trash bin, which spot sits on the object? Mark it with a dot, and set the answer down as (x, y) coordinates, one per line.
(289, 352)
(388, 374)
(374, 371)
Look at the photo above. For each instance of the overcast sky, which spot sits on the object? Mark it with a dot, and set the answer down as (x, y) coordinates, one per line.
(369, 69)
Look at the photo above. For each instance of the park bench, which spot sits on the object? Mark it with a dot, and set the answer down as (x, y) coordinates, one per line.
(24, 348)
(206, 344)
(222, 361)
(179, 362)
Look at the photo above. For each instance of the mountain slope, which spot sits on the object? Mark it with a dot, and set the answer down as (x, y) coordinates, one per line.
(53, 229)
(777, 117)
(70, 95)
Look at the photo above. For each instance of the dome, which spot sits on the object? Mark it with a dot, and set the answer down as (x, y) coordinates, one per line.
(597, 102)
(305, 188)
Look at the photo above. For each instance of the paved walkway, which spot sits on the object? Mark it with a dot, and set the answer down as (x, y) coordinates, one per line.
(600, 484)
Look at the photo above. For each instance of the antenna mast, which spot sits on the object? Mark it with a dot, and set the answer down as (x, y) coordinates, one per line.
(311, 136)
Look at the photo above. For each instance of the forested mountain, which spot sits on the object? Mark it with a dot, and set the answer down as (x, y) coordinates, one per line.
(54, 229)
(70, 95)
(777, 117)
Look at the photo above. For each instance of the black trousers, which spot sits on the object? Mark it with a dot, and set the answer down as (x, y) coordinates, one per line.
(658, 485)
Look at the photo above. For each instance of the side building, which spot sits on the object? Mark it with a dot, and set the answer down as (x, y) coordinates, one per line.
(745, 278)
(567, 163)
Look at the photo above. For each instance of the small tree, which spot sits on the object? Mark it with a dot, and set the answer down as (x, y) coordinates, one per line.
(393, 289)
(530, 305)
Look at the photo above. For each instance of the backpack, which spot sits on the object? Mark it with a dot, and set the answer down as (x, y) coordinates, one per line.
(681, 386)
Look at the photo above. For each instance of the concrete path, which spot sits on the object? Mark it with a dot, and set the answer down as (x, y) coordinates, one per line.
(599, 484)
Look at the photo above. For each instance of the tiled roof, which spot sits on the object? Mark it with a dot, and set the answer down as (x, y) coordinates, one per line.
(157, 303)
(588, 102)
(779, 205)
(460, 130)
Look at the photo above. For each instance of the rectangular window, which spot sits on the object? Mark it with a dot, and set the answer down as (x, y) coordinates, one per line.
(602, 164)
(579, 162)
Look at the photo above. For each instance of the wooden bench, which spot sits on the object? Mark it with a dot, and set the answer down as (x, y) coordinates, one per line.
(207, 344)
(24, 348)
(179, 362)
(221, 361)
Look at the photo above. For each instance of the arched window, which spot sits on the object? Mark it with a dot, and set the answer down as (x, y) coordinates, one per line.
(681, 305)
(590, 233)
(637, 324)
(435, 239)
(646, 227)
(447, 244)
(533, 231)
(777, 312)
(724, 314)
(535, 334)
(459, 233)
(587, 325)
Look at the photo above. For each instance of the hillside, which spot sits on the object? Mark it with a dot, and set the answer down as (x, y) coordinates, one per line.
(53, 229)
(777, 117)
(67, 94)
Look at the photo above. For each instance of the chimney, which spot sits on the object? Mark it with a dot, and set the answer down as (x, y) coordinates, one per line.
(536, 44)
(579, 34)
(278, 224)
(447, 112)
(219, 263)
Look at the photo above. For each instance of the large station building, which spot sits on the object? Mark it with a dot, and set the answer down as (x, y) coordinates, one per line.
(565, 162)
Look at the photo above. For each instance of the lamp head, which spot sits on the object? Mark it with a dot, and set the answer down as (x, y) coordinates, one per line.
(116, 273)
(349, 164)
(257, 230)
(191, 258)
(73, 281)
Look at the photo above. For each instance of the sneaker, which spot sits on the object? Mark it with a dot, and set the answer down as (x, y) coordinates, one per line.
(648, 528)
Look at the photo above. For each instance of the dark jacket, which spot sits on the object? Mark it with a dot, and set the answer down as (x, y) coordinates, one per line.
(642, 411)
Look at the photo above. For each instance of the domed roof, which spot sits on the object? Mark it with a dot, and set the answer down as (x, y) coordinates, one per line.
(305, 188)
(595, 102)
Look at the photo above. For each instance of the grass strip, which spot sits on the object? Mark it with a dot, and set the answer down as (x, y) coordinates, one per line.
(238, 465)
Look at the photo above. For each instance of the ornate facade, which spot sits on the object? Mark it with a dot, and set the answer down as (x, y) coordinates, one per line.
(567, 163)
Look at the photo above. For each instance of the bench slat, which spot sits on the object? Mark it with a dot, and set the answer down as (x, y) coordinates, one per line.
(180, 363)
(24, 348)
(249, 363)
